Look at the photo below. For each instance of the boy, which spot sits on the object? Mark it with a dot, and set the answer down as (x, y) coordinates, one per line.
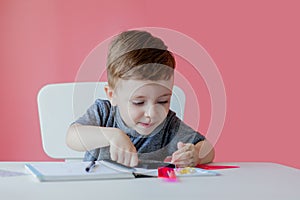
(136, 122)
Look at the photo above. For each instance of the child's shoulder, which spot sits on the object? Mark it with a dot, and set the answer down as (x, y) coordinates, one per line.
(102, 104)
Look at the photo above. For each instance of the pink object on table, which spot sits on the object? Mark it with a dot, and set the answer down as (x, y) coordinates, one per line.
(215, 167)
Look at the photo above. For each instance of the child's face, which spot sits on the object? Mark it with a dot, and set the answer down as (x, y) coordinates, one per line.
(143, 104)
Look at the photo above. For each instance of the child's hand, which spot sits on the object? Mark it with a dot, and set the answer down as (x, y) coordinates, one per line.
(122, 150)
(186, 155)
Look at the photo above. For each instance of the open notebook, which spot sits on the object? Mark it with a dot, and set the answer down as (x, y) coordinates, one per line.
(103, 169)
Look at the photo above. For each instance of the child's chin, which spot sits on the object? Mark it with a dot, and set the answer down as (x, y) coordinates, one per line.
(144, 132)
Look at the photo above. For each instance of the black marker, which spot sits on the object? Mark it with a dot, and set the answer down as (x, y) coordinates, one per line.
(90, 166)
(116, 166)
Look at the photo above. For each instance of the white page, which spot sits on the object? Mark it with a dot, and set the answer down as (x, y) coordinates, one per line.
(7, 173)
(59, 171)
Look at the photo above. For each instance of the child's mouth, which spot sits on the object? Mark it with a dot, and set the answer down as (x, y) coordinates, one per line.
(145, 125)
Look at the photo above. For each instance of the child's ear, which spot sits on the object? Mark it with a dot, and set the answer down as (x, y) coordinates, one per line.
(110, 94)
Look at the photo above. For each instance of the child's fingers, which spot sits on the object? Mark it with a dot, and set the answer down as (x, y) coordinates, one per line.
(123, 156)
(127, 158)
(185, 163)
(113, 154)
(182, 155)
(183, 147)
(130, 159)
(180, 145)
(185, 159)
(179, 154)
(185, 155)
(168, 159)
(134, 160)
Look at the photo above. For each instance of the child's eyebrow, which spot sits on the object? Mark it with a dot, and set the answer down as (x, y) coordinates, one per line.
(164, 95)
(142, 97)
(138, 96)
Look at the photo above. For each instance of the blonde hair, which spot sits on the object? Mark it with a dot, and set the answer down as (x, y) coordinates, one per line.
(138, 55)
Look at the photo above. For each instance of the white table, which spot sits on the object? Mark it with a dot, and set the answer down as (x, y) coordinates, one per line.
(251, 181)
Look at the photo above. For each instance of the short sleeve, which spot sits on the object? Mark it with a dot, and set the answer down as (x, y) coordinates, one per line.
(182, 131)
(97, 114)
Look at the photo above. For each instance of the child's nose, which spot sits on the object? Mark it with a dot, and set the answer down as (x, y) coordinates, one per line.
(150, 111)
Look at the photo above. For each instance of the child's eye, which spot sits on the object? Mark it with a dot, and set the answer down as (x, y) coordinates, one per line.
(163, 102)
(137, 103)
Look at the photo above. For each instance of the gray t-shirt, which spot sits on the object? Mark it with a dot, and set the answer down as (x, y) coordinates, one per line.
(162, 142)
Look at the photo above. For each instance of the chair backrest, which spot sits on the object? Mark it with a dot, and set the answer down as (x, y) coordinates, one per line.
(61, 104)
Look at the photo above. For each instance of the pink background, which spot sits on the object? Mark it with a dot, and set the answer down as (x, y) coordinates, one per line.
(255, 45)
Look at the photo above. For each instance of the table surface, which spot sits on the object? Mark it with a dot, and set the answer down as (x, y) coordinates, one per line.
(251, 181)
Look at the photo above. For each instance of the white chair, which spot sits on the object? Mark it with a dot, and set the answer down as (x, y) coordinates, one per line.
(61, 104)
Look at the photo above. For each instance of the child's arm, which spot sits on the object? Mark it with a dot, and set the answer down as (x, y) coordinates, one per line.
(85, 138)
(190, 155)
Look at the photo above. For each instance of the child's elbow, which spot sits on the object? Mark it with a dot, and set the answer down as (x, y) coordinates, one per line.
(211, 152)
(207, 152)
(72, 137)
(212, 155)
